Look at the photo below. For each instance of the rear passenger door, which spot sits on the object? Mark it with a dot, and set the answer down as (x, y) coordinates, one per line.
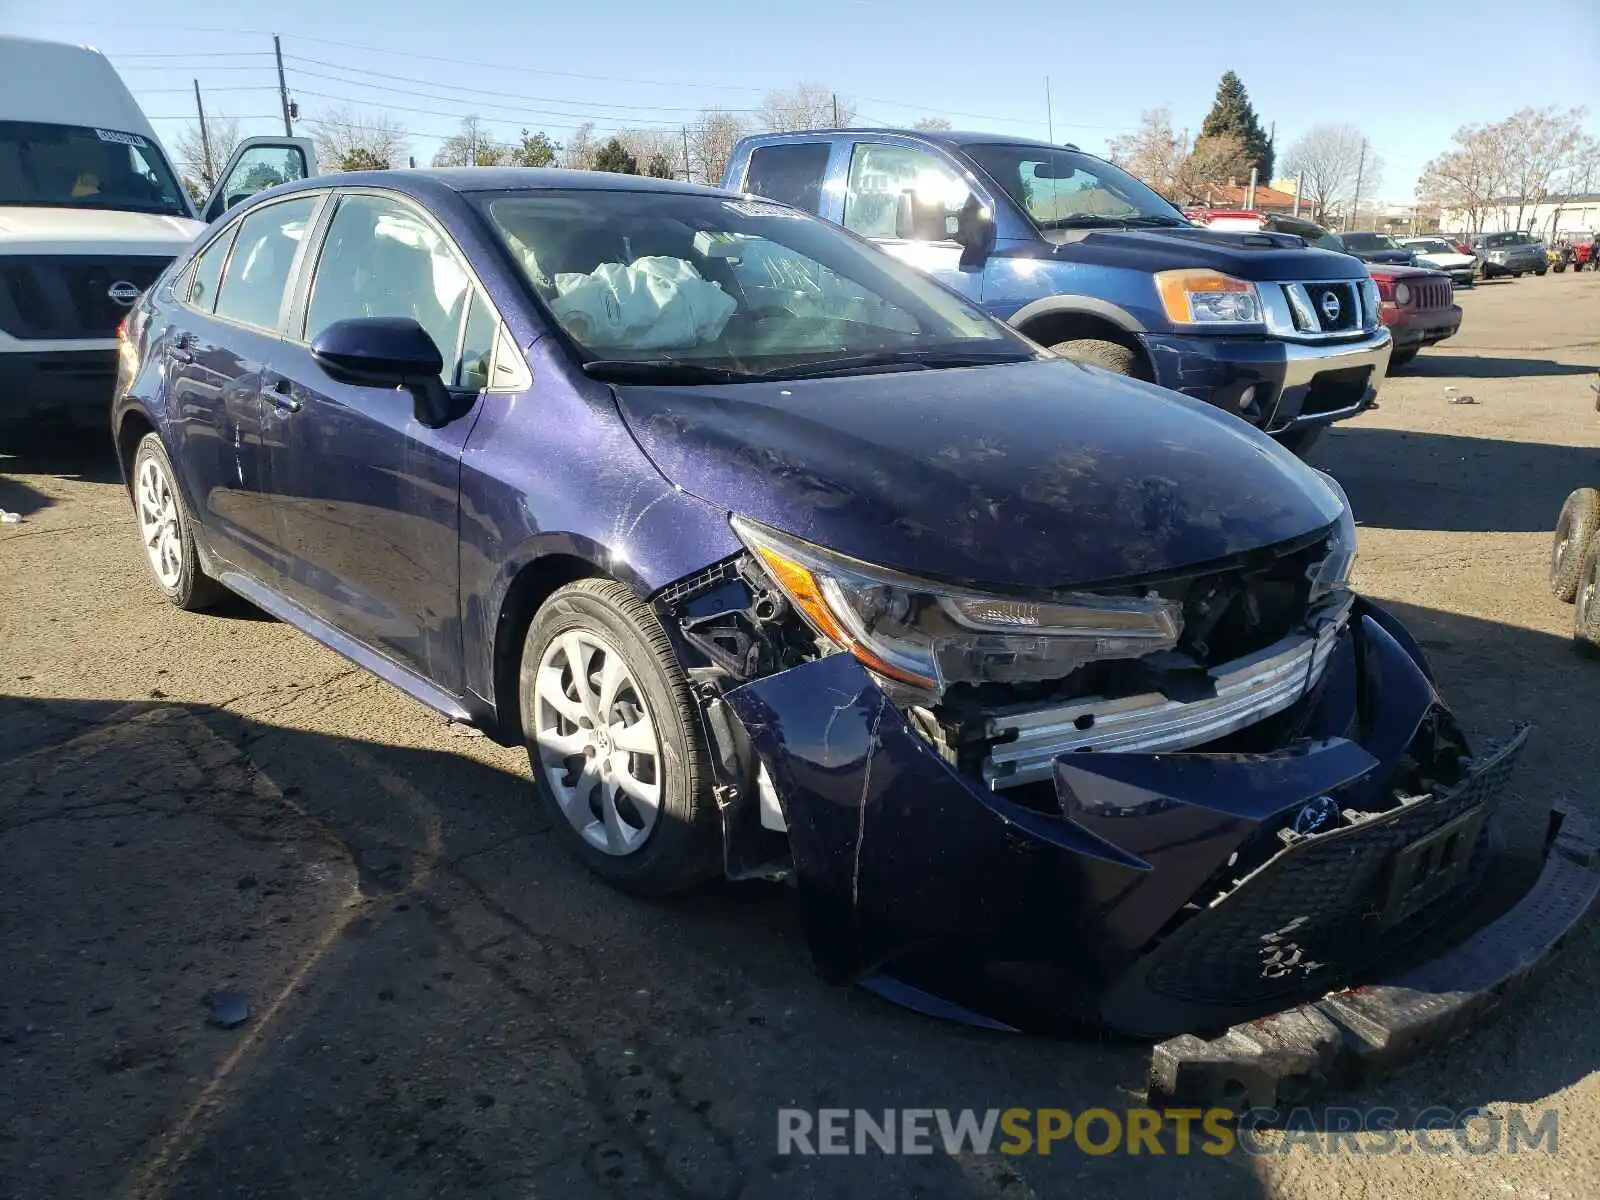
(907, 198)
(370, 495)
(226, 330)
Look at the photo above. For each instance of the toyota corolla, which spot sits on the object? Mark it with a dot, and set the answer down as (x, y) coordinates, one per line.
(1045, 687)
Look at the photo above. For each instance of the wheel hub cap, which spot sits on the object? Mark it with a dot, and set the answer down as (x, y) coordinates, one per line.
(157, 505)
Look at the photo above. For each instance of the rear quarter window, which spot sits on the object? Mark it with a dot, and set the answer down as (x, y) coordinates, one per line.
(790, 174)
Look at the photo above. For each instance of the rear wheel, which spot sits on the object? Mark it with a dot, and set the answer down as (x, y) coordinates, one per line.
(1586, 616)
(614, 740)
(167, 531)
(1110, 356)
(1575, 530)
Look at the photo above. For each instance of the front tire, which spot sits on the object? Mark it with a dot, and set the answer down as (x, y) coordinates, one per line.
(1575, 530)
(1109, 356)
(167, 531)
(615, 742)
(1586, 616)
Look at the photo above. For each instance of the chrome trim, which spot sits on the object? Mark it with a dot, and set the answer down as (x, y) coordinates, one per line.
(1291, 315)
(1249, 689)
(1305, 363)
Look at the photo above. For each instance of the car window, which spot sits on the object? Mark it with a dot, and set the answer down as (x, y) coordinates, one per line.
(477, 344)
(73, 166)
(251, 291)
(1058, 188)
(789, 174)
(880, 175)
(260, 168)
(1506, 239)
(382, 259)
(208, 273)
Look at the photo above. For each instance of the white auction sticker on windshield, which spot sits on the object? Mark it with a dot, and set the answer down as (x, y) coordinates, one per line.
(755, 208)
(122, 139)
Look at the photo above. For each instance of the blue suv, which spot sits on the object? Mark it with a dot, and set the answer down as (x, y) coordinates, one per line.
(1083, 258)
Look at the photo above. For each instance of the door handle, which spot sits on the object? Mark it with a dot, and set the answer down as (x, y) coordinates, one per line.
(280, 394)
(182, 348)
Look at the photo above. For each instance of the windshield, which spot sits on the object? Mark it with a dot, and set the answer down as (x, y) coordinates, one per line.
(1431, 246)
(687, 288)
(1060, 189)
(1507, 239)
(1369, 241)
(72, 166)
(1328, 241)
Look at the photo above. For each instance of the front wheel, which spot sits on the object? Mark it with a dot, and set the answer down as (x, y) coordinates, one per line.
(167, 531)
(614, 740)
(1575, 530)
(1110, 356)
(1586, 615)
(1540, 274)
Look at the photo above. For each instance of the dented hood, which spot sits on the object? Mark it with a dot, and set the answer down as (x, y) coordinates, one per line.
(1043, 474)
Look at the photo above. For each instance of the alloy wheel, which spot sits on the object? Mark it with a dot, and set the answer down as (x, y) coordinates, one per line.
(596, 742)
(158, 522)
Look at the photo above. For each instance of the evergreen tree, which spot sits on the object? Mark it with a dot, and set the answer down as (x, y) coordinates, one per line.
(614, 157)
(660, 167)
(1233, 116)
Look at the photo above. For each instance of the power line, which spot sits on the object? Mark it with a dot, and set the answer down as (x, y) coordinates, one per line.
(457, 116)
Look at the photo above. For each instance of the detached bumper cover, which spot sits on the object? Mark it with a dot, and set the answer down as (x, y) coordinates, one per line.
(1108, 896)
(1351, 1035)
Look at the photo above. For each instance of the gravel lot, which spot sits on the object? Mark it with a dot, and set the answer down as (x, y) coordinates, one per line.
(442, 1004)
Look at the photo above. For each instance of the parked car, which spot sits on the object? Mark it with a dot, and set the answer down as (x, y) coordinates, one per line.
(780, 558)
(1377, 248)
(1419, 308)
(91, 211)
(1515, 254)
(1087, 260)
(1439, 254)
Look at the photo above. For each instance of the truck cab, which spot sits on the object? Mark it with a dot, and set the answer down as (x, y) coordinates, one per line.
(91, 212)
(1085, 259)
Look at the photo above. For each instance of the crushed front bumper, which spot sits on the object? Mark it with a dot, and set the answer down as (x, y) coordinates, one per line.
(1114, 901)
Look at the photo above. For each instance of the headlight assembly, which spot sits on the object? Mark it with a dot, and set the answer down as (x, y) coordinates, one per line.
(1332, 574)
(1200, 297)
(931, 636)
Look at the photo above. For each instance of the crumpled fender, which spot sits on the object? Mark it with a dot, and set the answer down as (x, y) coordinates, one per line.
(975, 905)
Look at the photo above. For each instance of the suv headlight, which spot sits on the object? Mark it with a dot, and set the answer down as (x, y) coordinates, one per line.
(1200, 297)
(930, 635)
(1332, 574)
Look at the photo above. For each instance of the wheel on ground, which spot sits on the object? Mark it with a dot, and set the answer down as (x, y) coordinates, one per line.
(1575, 530)
(1300, 441)
(167, 531)
(1540, 274)
(1111, 356)
(1586, 614)
(1400, 358)
(615, 742)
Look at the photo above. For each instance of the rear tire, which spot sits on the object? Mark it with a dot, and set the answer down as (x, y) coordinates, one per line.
(629, 728)
(1575, 530)
(1586, 616)
(166, 531)
(1109, 356)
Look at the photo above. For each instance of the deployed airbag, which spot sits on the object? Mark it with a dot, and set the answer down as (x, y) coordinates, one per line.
(654, 303)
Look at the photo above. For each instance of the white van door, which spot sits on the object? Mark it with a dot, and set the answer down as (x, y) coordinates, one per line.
(258, 164)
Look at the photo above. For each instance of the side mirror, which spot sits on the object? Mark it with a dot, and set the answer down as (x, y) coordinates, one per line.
(387, 352)
(974, 233)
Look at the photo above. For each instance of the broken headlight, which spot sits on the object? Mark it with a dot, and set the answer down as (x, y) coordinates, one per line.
(1333, 572)
(931, 635)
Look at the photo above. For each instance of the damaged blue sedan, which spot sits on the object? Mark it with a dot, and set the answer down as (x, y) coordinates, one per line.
(1045, 687)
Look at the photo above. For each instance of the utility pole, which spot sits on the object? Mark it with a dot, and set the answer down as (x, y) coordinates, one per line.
(687, 177)
(205, 139)
(1355, 205)
(836, 110)
(283, 88)
(1250, 195)
(1049, 112)
(1299, 186)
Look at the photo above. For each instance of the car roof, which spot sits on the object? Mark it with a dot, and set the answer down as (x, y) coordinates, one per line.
(422, 181)
(955, 138)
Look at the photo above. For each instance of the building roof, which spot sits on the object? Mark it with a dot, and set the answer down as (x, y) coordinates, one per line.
(1228, 195)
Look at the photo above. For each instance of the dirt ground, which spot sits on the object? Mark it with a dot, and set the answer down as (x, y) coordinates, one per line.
(442, 1004)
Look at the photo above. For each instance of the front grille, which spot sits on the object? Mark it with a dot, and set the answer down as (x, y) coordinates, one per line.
(1429, 294)
(1335, 391)
(1324, 309)
(68, 296)
(1314, 913)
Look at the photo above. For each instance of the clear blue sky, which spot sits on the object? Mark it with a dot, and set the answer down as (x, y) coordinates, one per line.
(1406, 72)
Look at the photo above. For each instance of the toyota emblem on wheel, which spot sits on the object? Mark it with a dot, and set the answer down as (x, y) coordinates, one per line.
(1330, 307)
(123, 292)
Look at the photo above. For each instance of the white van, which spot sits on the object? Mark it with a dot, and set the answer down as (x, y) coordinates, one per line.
(91, 211)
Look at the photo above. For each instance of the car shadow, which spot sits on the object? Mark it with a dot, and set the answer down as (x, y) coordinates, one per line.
(47, 450)
(1433, 363)
(1476, 485)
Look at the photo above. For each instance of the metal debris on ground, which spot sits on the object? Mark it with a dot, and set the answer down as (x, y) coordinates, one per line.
(229, 1010)
(1453, 396)
(10, 518)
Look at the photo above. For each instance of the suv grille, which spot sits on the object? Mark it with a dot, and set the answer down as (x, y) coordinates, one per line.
(68, 296)
(1333, 307)
(1428, 294)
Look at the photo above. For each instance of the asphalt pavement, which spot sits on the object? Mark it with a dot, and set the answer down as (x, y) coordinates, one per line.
(199, 811)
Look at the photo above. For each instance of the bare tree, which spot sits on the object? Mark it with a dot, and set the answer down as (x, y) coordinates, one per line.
(1153, 152)
(348, 140)
(1539, 143)
(805, 106)
(711, 139)
(1470, 178)
(1580, 177)
(199, 169)
(932, 124)
(648, 144)
(1213, 161)
(581, 148)
(473, 146)
(1328, 158)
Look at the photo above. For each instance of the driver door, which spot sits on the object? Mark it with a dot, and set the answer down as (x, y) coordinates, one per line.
(257, 164)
